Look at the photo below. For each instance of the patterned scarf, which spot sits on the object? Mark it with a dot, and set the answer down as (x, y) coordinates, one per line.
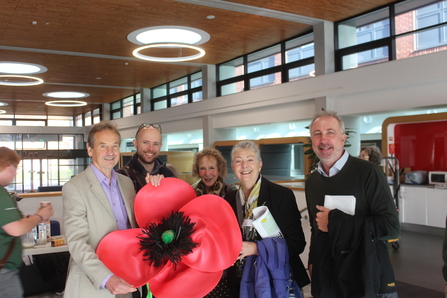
(200, 187)
(252, 201)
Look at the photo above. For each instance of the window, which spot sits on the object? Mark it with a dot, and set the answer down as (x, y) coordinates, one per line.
(96, 115)
(31, 123)
(301, 72)
(47, 159)
(287, 61)
(179, 92)
(159, 105)
(37, 120)
(126, 107)
(300, 52)
(232, 88)
(426, 17)
(178, 85)
(180, 100)
(89, 118)
(231, 69)
(60, 121)
(263, 60)
(401, 30)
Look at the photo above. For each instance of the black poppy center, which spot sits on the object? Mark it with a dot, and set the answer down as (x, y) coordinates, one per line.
(168, 240)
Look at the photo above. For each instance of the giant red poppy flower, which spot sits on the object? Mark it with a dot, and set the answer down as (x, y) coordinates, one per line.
(214, 242)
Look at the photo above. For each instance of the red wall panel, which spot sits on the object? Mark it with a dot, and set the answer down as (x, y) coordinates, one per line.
(422, 145)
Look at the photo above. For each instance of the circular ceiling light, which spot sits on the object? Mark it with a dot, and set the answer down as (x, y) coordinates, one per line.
(201, 52)
(66, 94)
(19, 80)
(2, 112)
(21, 67)
(66, 103)
(2, 104)
(168, 34)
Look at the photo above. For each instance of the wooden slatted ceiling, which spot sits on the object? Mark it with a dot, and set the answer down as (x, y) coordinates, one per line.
(100, 27)
(330, 10)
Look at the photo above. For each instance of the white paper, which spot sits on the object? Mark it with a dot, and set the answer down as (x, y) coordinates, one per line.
(342, 203)
(264, 223)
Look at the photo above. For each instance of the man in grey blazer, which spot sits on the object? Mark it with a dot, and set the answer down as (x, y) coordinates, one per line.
(96, 202)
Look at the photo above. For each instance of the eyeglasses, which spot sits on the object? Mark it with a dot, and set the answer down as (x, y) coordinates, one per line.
(364, 156)
(146, 125)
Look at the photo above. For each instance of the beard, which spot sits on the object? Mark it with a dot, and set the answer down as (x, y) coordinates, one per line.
(146, 159)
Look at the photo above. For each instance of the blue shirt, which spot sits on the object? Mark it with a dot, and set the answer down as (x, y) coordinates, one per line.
(113, 194)
(338, 165)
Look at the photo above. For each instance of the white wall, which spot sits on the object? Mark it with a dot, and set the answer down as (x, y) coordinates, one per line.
(30, 206)
(418, 82)
(396, 86)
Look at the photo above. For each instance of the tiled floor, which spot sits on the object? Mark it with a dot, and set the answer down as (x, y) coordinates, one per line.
(417, 264)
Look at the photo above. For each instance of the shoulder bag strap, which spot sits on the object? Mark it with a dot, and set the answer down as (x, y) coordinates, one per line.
(8, 253)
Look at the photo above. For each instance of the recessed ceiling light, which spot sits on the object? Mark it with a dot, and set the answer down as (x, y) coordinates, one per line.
(201, 52)
(2, 112)
(210, 17)
(2, 104)
(21, 67)
(168, 34)
(19, 80)
(66, 94)
(66, 103)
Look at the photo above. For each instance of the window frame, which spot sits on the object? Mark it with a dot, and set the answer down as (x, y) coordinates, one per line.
(389, 41)
(92, 116)
(120, 109)
(283, 68)
(168, 97)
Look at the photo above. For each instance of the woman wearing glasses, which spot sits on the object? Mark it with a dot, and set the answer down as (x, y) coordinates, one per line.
(372, 154)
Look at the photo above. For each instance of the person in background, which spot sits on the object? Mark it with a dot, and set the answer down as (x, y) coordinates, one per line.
(348, 253)
(372, 154)
(145, 166)
(13, 225)
(211, 168)
(444, 257)
(96, 202)
(254, 191)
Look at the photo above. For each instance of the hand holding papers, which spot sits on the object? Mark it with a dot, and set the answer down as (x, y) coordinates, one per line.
(342, 203)
(264, 223)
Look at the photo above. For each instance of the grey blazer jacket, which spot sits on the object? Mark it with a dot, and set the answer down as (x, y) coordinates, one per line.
(88, 217)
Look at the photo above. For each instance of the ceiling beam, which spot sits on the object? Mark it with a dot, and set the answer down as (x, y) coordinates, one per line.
(226, 5)
(89, 55)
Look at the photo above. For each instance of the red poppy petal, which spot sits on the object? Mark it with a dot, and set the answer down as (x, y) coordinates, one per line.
(183, 282)
(216, 231)
(153, 203)
(120, 252)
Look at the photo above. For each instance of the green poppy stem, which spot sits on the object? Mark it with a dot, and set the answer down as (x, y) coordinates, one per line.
(149, 293)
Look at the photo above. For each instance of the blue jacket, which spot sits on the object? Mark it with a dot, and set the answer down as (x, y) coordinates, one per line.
(268, 274)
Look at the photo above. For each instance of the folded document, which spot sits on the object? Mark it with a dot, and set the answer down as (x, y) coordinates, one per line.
(264, 223)
(342, 203)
